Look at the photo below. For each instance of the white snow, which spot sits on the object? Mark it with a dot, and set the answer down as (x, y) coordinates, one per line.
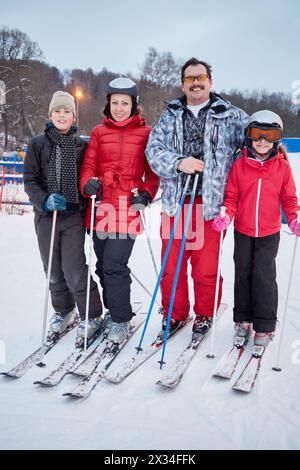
(202, 413)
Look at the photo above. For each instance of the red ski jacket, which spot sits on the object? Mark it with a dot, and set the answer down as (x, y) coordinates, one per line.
(256, 191)
(116, 155)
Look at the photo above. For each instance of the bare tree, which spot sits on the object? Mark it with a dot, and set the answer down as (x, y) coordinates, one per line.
(160, 68)
(17, 52)
(160, 73)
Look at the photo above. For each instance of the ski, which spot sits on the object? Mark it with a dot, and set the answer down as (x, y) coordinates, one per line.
(247, 379)
(228, 365)
(56, 376)
(51, 340)
(90, 362)
(173, 375)
(87, 365)
(135, 362)
(105, 359)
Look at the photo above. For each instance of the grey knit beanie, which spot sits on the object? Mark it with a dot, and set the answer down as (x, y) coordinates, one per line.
(62, 99)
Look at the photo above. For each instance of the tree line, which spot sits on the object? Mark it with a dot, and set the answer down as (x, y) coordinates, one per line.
(29, 83)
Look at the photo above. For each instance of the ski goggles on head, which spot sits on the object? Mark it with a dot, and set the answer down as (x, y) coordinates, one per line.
(192, 78)
(268, 133)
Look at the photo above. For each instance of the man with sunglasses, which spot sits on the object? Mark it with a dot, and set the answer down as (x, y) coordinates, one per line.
(197, 133)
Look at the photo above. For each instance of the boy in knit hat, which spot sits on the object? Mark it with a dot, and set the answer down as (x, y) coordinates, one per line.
(51, 176)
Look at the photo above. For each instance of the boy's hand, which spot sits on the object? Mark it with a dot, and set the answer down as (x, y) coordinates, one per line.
(55, 202)
(92, 187)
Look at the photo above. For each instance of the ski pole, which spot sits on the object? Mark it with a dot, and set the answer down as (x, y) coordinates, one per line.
(176, 277)
(87, 305)
(144, 287)
(50, 257)
(177, 217)
(277, 368)
(212, 344)
(135, 193)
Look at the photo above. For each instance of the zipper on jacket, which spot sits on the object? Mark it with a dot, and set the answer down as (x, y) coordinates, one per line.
(215, 142)
(257, 206)
(175, 138)
(121, 154)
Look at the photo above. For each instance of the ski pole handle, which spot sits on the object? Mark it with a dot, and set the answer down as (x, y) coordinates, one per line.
(98, 198)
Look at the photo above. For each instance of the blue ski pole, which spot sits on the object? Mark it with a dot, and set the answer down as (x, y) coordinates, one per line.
(177, 217)
(186, 227)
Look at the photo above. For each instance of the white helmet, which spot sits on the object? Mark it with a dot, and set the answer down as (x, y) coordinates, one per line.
(266, 117)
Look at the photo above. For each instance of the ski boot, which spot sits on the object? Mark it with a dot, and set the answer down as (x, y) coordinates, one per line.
(174, 326)
(243, 331)
(201, 325)
(93, 326)
(59, 323)
(107, 322)
(263, 339)
(118, 331)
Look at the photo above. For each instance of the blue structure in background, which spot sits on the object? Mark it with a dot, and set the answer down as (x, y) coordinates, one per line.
(13, 166)
(292, 144)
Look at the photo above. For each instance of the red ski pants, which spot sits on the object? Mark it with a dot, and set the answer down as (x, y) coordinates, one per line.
(202, 249)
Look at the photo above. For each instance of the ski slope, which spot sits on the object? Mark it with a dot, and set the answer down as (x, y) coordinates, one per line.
(202, 413)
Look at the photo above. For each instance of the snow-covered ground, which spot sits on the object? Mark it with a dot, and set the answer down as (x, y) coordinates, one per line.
(202, 413)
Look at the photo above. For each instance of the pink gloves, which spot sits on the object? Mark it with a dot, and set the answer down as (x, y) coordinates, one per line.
(295, 227)
(221, 223)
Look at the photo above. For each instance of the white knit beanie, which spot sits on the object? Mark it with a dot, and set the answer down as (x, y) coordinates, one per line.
(62, 99)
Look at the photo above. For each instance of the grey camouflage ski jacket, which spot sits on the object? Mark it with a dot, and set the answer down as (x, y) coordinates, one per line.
(224, 134)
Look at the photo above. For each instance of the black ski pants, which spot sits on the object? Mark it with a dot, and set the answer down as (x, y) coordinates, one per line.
(113, 252)
(255, 286)
(68, 280)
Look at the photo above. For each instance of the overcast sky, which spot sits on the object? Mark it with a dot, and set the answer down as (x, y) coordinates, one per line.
(250, 44)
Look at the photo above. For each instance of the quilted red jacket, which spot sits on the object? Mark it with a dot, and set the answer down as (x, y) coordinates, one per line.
(256, 191)
(116, 155)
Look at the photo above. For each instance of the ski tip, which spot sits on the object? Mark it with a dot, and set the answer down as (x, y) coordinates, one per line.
(165, 385)
(113, 380)
(72, 395)
(221, 376)
(79, 374)
(236, 388)
(7, 374)
(43, 384)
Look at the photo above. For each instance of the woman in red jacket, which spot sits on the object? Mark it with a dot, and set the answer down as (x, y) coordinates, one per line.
(114, 165)
(258, 185)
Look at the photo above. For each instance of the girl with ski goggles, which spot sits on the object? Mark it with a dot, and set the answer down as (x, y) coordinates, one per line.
(271, 134)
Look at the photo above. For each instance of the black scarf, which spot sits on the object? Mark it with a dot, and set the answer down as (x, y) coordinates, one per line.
(193, 140)
(62, 170)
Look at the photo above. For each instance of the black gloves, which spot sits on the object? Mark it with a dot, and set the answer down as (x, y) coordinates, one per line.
(141, 201)
(92, 187)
